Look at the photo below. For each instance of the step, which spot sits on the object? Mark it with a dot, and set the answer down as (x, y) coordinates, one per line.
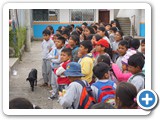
(12, 65)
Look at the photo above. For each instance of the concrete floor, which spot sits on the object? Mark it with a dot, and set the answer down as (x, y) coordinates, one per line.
(19, 87)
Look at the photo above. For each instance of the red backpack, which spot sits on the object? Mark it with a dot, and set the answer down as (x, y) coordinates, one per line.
(86, 98)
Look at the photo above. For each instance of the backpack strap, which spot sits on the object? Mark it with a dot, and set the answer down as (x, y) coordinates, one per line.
(138, 74)
(84, 102)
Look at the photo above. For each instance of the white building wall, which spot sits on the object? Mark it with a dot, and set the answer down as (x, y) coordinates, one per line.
(64, 15)
(139, 16)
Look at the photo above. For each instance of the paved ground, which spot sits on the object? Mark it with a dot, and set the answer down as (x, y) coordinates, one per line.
(19, 87)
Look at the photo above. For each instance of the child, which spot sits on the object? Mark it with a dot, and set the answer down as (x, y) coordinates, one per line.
(143, 47)
(87, 31)
(21, 103)
(122, 49)
(118, 38)
(124, 74)
(95, 38)
(101, 31)
(126, 94)
(54, 57)
(102, 105)
(135, 65)
(50, 28)
(112, 32)
(71, 99)
(46, 48)
(74, 45)
(102, 47)
(106, 59)
(62, 80)
(114, 24)
(66, 35)
(86, 61)
(103, 89)
(107, 27)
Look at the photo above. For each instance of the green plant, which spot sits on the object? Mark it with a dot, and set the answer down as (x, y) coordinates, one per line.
(20, 35)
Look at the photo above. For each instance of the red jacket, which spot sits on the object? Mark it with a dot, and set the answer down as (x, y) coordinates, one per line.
(59, 72)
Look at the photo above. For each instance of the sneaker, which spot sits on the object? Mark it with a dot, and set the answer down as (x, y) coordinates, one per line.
(52, 97)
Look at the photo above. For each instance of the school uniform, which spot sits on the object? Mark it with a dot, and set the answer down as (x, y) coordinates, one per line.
(137, 81)
(115, 47)
(71, 98)
(46, 46)
(54, 63)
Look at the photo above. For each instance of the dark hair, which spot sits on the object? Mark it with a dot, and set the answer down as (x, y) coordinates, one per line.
(80, 28)
(126, 92)
(102, 105)
(75, 33)
(72, 25)
(90, 37)
(60, 31)
(106, 33)
(136, 60)
(134, 43)
(51, 28)
(143, 41)
(61, 38)
(20, 103)
(90, 28)
(128, 38)
(68, 51)
(58, 35)
(87, 44)
(141, 54)
(105, 59)
(113, 22)
(69, 27)
(124, 43)
(46, 32)
(95, 27)
(75, 38)
(100, 69)
(108, 50)
(117, 24)
(114, 29)
(59, 28)
(84, 24)
(102, 29)
(121, 33)
(97, 36)
(108, 24)
(66, 32)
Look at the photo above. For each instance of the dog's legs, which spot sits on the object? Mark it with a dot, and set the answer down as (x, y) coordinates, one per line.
(35, 83)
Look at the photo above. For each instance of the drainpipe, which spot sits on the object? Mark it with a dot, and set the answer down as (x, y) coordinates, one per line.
(28, 30)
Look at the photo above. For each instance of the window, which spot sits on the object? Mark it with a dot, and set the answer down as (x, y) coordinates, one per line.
(45, 15)
(82, 15)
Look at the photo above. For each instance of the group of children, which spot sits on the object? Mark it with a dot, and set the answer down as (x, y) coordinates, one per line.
(95, 62)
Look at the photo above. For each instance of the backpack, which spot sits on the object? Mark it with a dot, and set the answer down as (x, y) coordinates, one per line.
(106, 92)
(86, 98)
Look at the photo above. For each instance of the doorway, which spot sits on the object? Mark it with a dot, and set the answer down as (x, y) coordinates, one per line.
(104, 16)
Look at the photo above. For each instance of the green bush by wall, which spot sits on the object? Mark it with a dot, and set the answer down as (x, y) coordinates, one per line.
(20, 39)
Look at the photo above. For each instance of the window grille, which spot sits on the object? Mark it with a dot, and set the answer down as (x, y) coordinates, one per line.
(82, 15)
(45, 15)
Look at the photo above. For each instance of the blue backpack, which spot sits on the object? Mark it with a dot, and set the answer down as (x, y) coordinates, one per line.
(106, 92)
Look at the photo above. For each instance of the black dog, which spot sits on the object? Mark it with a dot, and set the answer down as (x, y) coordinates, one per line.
(32, 77)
